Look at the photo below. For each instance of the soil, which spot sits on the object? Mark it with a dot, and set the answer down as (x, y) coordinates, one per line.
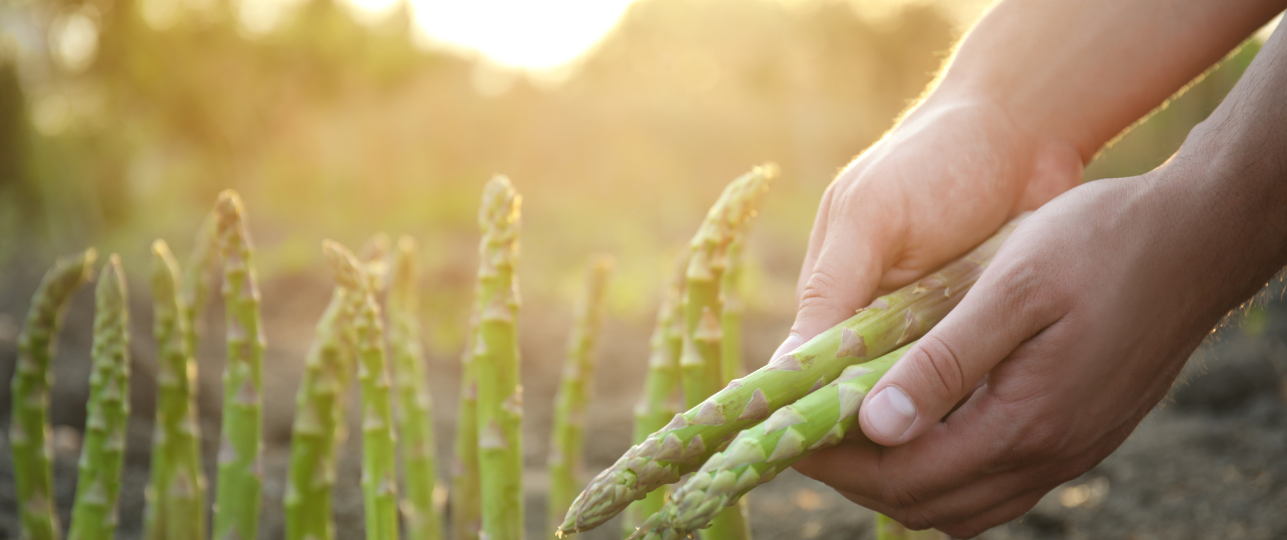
(1210, 462)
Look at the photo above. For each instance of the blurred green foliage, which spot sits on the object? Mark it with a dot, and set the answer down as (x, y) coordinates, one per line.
(334, 128)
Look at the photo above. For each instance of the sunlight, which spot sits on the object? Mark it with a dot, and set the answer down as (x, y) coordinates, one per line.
(521, 34)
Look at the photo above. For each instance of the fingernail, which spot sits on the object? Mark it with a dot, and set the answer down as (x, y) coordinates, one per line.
(891, 412)
(792, 343)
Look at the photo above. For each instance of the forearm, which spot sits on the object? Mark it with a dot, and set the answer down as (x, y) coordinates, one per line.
(1233, 170)
(1080, 71)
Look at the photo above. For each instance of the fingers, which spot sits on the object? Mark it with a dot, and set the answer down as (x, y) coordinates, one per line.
(842, 269)
(975, 444)
(994, 318)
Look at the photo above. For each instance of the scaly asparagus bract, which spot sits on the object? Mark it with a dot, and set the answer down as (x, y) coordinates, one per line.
(240, 477)
(415, 407)
(319, 416)
(702, 367)
(29, 425)
(379, 455)
(176, 494)
(194, 292)
(568, 436)
(661, 393)
(496, 364)
(103, 450)
(818, 420)
(692, 437)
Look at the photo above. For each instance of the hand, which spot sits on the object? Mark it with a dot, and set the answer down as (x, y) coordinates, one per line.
(1070, 337)
(944, 180)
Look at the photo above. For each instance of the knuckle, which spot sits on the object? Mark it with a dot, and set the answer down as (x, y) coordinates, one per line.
(939, 369)
(819, 288)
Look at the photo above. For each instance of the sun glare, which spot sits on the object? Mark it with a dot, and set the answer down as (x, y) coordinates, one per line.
(532, 35)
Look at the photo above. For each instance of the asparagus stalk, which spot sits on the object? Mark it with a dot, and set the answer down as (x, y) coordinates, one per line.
(500, 397)
(176, 495)
(197, 275)
(466, 487)
(415, 408)
(319, 418)
(661, 386)
(240, 454)
(567, 441)
(731, 317)
(702, 367)
(818, 420)
(29, 425)
(379, 475)
(103, 452)
(692, 437)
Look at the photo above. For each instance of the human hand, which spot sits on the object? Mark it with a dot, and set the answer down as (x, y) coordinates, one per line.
(1073, 333)
(944, 180)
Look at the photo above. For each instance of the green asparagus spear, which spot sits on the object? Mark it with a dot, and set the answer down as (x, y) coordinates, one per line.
(702, 367)
(198, 274)
(415, 408)
(466, 487)
(692, 437)
(567, 439)
(29, 425)
(500, 398)
(661, 394)
(379, 466)
(731, 316)
(818, 420)
(176, 508)
(318, 421)
(103, 452)
(240, 454)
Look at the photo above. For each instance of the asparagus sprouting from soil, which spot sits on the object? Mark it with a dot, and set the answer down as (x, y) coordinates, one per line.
(466, 487)
(198, 274)
(103, 450)
(319, 417)
(176, 493)
(379, 454)
(702, 367)
(240, 476)
(661, 391)
(415, 406)
(734, 307)
(818, 420)
(29, 425)
(496, 364)
(692, 437)
(567, 438)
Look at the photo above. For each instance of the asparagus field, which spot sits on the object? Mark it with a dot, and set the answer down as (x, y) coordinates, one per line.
(696, 415)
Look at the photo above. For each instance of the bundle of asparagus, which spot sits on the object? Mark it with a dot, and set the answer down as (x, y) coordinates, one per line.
(693, 437)
(818, 420)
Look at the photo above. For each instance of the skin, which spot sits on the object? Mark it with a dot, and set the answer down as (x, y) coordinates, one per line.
(1089, 311)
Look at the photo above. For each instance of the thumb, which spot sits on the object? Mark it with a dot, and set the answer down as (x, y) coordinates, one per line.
(949, 361)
